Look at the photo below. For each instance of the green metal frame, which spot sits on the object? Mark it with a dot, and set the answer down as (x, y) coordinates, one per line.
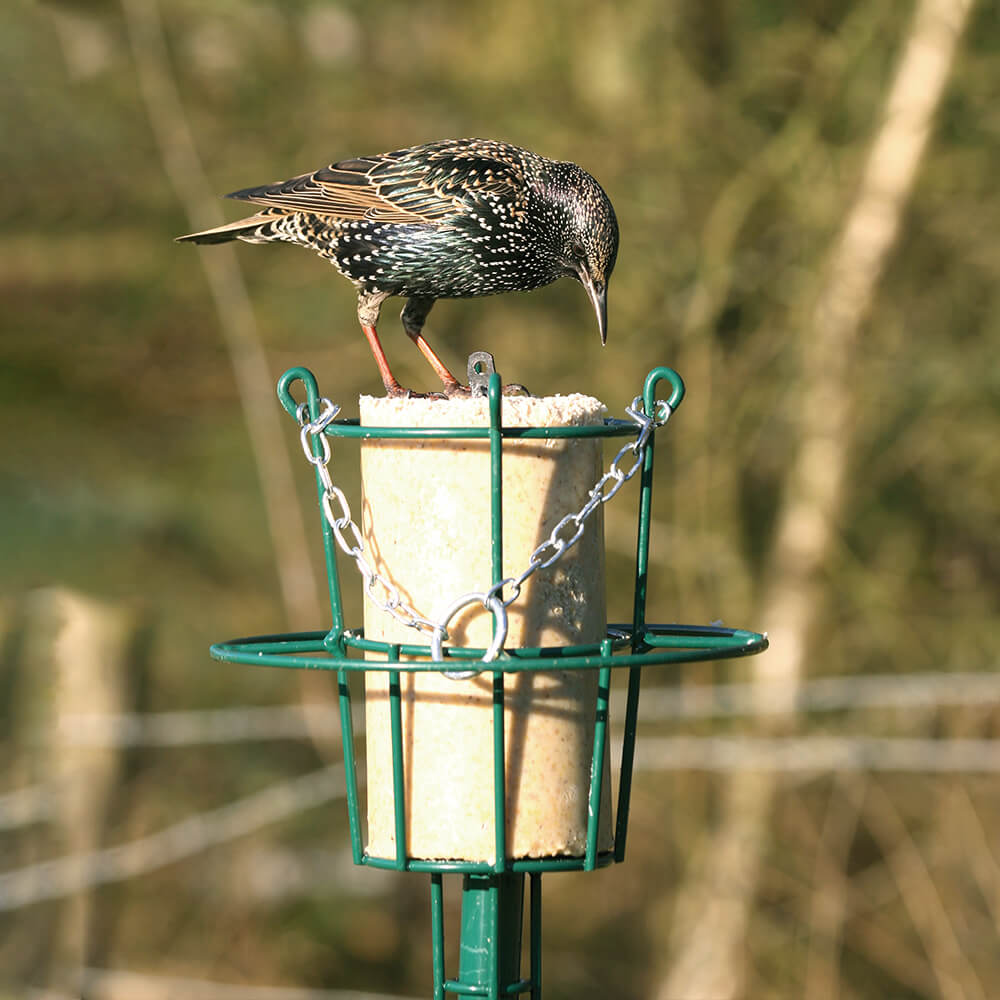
(493, 892)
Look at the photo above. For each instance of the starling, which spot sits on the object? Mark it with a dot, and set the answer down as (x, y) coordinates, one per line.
(450, 219)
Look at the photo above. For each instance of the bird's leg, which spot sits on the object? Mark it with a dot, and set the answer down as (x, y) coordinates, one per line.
(368, 309)
(392, 387)
(413, 316)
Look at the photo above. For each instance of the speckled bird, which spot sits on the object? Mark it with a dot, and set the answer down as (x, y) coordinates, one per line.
(450, 219)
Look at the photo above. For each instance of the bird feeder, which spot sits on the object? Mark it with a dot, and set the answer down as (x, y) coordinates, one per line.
(485, 650)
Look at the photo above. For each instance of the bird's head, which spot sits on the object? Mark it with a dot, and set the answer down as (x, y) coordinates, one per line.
(589, 239)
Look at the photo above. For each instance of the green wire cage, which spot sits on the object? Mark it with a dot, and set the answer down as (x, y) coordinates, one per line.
(490, 960)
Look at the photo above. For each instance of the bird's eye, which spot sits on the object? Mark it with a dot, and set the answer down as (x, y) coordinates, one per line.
(577, 251)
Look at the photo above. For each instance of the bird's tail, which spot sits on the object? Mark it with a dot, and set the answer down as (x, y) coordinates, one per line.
(242, 229)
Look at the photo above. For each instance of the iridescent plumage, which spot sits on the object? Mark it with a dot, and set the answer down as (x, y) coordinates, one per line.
(449, 219)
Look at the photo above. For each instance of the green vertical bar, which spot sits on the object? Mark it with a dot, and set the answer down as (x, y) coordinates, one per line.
(638, 628)
(398, 773)
(350, 774)
(490, 950)
(639, 608)
(628, 757)
(499, 775)
(642, 544)
(479, 938)
(496, 550)
(646, 490)
(510, 892)
(597, 762)
(437, 934)
(329, 542)
(496, 475)
(493, 954)
(535, 921)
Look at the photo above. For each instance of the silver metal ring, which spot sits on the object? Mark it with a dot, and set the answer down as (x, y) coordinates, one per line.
(495, 606)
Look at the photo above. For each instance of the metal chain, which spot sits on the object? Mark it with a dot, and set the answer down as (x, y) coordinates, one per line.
(563, 536)
(551, 550)
(392, 602)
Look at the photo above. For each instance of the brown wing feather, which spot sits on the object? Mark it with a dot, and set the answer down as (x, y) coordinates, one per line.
(425, 184)
(343, 190)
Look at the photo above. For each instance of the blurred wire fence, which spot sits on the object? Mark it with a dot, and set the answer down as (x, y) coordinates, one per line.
(816, 754)
(659, 704)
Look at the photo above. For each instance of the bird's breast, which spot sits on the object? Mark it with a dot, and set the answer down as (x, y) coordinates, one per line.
(469, 257)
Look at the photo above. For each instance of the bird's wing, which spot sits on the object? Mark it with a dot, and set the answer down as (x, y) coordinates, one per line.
(426, 184)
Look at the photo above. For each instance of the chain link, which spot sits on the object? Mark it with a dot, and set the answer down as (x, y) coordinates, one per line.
(563, 536)
(392, 602)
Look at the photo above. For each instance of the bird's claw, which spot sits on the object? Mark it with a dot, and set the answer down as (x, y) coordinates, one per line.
(450, 391)
(399, 392)
(402, 393)
(516, 389)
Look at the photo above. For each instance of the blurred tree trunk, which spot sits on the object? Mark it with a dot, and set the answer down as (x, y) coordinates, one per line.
(182, 164)
(80, 650)
(706, 952)
(237, 322)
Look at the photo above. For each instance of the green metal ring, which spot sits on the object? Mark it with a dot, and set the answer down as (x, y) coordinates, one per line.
(657, 644)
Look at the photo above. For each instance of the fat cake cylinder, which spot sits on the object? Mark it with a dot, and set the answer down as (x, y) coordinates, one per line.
(426, 526)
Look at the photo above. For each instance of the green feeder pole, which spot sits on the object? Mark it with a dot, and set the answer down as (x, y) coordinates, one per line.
(493, 905)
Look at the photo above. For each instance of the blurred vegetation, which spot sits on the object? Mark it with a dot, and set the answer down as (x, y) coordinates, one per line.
(730, 138)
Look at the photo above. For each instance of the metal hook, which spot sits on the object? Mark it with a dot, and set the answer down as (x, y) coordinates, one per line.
(481, 367)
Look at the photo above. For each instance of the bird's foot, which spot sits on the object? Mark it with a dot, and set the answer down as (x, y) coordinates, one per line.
(398, 392)
(516, 389)
(456, 390)
(452, 389)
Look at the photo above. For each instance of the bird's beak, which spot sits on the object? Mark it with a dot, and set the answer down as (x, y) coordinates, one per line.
(597, 292)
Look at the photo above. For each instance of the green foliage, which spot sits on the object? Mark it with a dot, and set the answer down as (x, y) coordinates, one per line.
(730, 138)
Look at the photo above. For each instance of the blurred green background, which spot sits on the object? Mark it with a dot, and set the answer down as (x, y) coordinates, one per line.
(733, 140)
